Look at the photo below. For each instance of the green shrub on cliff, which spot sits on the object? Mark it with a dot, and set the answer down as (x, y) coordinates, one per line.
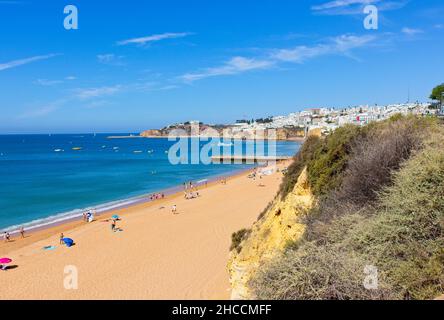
(300, 160)
(325, 159)
(330, 158)
(237, 238)
(387, 210)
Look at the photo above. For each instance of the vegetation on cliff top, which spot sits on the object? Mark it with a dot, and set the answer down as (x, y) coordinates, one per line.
(380, 191)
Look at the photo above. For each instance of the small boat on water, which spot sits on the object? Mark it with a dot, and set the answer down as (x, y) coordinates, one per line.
(77, 148)
(137, 151)
(58, 150)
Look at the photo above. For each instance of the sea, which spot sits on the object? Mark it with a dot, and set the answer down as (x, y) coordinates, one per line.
(52, 178)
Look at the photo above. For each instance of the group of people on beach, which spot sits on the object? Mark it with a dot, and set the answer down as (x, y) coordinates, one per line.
(188, 185)
(190, 191)
(191, 195)
(157, 196)
(88, 216)
(7, 235)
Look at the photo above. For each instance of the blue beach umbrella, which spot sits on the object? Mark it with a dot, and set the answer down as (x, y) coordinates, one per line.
(69, 242)
(115, 217)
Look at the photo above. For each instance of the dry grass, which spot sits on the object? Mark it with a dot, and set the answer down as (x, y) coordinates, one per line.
(401, 232)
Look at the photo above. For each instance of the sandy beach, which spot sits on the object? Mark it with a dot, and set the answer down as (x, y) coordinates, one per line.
(158, 255)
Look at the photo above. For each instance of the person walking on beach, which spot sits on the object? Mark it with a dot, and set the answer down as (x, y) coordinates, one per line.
(61, 238)
(6, 236)
(174, 209)
(113, 225)
(22, 232)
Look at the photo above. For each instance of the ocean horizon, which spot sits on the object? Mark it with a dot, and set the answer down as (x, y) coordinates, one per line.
(54, 177)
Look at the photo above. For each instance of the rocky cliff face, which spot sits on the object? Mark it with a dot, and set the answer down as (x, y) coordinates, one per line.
(225, 131)
(151, 133)
(269, 236)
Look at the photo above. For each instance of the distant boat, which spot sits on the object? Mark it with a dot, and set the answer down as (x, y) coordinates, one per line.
(77, 148)
(58, 150)
(137, 151)
(115, 148)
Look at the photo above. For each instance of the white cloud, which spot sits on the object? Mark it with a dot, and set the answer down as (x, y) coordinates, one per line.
(342, 3)
(154, 38)
(20, 62)
(354, 7)
(43, 110)
(235, 65)
(343, 45)
(46, 82)
(110, 59)
(89, 93)
(339, 45)
(411, 31)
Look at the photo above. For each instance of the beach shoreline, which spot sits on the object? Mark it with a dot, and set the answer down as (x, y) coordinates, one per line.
(158, 254)
(56, 226)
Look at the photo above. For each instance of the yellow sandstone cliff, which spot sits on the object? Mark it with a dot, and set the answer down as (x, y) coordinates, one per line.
(269, 236)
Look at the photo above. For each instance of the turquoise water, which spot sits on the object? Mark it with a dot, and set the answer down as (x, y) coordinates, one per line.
(39, 184)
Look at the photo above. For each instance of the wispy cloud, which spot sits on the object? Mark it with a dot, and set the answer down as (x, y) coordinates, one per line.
(235, 65)
(20, 62)
(90, 93)
(353, 7)
(339, 45)
(43, 110)
(47, 83)
(343, 45)
(341, 4)
(154, 38)
(110, 59)
(94, 97)
(411, 31)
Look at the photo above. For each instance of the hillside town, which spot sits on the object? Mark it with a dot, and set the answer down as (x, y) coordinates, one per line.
(328, 119)
(298, 124)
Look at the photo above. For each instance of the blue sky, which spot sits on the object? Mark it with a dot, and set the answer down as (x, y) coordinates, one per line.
(136, 64)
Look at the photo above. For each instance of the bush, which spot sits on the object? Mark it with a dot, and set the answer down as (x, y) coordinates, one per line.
(401, 232)
(329, 159)
(237, 238)
(300, 160)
